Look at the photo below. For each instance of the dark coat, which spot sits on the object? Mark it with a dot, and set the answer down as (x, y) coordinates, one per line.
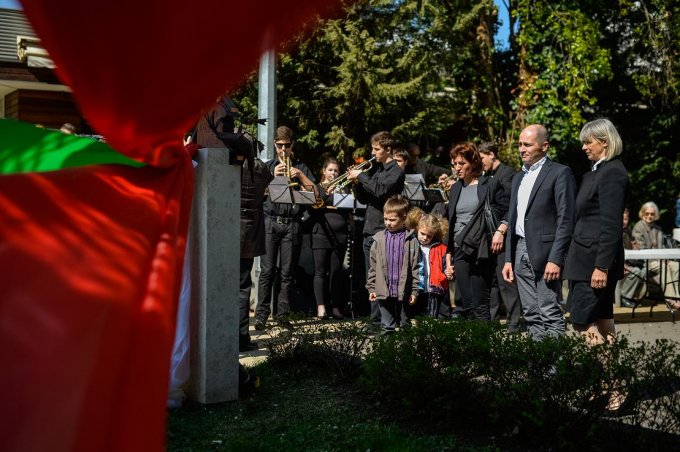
(598, 232)
(498, 202)
(374, 188)
(549, 219)
(504, 174)
(329, 225)
(429, 171)
(252, 218)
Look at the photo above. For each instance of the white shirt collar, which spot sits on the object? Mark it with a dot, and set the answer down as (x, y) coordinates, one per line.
(536, 166)
(597, 164)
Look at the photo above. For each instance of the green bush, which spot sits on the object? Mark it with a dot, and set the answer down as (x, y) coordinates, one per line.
(337, 349)
(475, 377)
(555, 391)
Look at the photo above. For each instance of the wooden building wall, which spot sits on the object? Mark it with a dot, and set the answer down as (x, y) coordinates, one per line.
(49, 108)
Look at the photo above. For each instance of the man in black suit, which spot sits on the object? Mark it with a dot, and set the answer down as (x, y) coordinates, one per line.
(541, 221)
(500, 289)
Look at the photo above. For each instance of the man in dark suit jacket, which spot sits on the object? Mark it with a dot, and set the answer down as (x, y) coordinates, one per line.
(500, 289)
(541, 221)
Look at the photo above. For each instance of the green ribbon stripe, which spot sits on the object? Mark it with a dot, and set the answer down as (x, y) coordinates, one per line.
(25, 148)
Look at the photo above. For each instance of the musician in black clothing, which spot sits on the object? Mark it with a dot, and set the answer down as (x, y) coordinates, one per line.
(500, 289)
(328, 243)
(373, 188)
(283, 234)
(416, 165)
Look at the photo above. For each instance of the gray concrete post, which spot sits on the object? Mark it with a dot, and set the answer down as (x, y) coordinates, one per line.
(215, 280)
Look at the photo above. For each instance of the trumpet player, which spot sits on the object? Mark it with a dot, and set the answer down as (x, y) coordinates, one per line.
(329, 243)
(373, 188)
(416, 165)
(283, 233)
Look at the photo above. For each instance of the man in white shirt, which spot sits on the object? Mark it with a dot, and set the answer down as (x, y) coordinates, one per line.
(541, 221)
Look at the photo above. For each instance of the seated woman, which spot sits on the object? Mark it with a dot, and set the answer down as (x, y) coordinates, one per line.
(649, 235)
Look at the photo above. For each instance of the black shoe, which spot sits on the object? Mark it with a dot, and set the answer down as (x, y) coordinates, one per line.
(627, 304)
(247, 346)
(338, 317)
(284, 324)
(260, 325)
(370, 328)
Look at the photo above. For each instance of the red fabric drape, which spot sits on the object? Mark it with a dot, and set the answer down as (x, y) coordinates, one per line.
(90, 258)
(142, 70)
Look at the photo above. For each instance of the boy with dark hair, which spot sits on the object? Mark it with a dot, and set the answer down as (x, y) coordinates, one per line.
(393, 270)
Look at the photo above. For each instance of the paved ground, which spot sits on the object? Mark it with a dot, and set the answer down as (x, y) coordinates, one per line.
(642, 327)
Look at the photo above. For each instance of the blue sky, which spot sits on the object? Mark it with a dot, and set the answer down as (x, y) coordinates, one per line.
(504, 28)
(501, 36)
(12, 4)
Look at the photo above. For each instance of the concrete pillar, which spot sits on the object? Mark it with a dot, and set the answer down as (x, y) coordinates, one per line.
(215, 278)
(266, 103)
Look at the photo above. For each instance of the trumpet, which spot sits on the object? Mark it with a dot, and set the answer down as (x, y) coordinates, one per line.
(440, 185)
(453, 177)
(286, 160)
(342, 180)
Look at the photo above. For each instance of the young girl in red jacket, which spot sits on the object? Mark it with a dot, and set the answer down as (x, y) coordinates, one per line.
(434, 286)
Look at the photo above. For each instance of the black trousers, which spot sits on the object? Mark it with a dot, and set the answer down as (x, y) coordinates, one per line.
(501, 290)
(329, 276)
(473, 280)
(375, 307)
(245, 284)
(281, 240)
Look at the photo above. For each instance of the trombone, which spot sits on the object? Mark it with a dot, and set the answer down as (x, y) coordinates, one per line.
(342, 181)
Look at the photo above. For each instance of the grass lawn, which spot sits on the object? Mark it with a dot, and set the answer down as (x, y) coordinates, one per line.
(298, 410)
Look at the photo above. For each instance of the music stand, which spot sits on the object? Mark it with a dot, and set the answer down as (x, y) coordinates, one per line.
(346, 201)
(434, 195)
(281, 192)
(413, 187)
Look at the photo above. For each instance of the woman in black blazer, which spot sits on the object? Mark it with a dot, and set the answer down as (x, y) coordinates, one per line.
(595, 258)
(473, 273)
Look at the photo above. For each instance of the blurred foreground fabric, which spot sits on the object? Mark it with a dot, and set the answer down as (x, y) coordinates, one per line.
(92, 238)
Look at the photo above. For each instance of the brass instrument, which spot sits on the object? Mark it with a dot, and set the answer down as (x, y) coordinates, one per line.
(286, 160)
(453, 177)
(438, 185)
(342, 181)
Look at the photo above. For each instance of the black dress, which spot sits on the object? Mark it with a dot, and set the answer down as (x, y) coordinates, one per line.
(329, 243)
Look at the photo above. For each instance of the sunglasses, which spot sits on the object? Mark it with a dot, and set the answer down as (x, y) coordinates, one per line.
(283, 145)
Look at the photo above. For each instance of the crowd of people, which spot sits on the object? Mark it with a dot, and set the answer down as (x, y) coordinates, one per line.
(510, 238)
(502, 237)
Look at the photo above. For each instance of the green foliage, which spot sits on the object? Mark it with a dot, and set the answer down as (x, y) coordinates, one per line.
(428, 71)
(560, 60)
(334, 351)
(477, 374)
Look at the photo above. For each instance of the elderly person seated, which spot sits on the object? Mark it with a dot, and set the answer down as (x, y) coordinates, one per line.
(649, 235)
(633, 285)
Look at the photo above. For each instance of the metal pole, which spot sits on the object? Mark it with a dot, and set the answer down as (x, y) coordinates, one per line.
(266, 103)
